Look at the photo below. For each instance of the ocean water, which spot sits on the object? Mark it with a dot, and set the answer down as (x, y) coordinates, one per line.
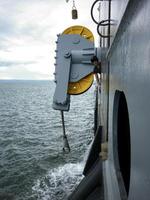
(32, 163)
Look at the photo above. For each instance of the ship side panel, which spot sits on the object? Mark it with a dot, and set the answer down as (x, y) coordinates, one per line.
(130, 72)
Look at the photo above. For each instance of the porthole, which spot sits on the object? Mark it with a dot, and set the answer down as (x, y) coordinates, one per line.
(121, 142)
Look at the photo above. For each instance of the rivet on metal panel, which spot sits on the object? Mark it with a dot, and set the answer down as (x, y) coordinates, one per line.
(67, 55)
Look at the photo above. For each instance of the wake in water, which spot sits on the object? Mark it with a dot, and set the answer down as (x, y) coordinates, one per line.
(59, 182)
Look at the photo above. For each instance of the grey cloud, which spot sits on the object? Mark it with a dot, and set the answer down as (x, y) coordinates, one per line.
(13, 63)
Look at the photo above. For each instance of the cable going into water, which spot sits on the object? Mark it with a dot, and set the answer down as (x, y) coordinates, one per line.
(66, 147)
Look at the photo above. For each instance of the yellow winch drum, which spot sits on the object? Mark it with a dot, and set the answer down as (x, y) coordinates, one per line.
(75, 88)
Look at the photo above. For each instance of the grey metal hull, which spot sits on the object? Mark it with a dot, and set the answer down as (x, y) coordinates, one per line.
(124, 103)
(129, 71)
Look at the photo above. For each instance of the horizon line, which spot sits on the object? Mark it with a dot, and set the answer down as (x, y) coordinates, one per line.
(26, 79)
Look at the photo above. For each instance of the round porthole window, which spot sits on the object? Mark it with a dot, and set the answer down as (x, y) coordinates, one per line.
(121, 141)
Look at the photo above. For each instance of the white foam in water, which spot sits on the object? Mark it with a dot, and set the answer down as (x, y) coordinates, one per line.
(59, 182)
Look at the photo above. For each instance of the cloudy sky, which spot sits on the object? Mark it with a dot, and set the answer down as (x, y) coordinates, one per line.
(28, 31)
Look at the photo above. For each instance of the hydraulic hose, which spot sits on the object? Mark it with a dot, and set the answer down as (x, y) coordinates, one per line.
(102, 22)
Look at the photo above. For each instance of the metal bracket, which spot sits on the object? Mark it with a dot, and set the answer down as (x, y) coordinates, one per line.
(73, 62)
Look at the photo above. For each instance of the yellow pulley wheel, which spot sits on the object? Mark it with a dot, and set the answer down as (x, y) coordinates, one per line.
(80, 30)
(85, 83)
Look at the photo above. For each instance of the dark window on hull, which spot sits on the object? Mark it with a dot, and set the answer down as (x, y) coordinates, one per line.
(122, 151)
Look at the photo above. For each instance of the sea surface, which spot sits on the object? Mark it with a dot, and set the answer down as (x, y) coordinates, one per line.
(32, 163)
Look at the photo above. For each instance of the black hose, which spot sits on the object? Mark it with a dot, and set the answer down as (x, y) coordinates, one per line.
(104, 23)
(92, 11)
(101, 23)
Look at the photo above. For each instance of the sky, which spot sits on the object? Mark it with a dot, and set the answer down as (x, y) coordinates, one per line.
(28, 30)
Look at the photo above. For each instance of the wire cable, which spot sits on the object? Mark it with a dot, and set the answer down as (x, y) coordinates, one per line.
(66, 147)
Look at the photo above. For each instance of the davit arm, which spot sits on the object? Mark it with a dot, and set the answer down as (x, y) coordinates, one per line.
(73, 63)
